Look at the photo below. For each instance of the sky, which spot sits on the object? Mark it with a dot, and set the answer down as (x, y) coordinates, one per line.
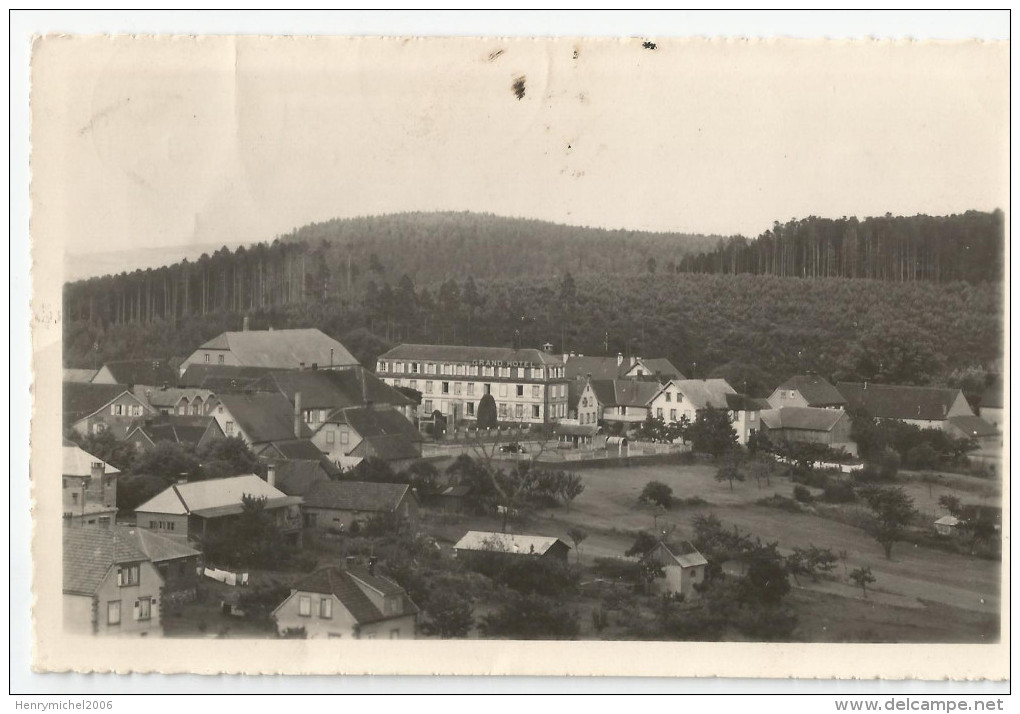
(149, 143)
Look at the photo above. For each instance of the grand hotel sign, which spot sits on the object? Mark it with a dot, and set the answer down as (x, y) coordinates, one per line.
(501, 363)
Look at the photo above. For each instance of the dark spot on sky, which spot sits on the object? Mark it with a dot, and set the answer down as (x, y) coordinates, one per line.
(648, 45)
(576, 54)
(494, 55)
(518, 87)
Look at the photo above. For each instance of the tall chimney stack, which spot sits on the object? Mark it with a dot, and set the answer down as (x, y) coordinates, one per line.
(297, 415)
(619, 358)
(244, 324)
(271, 475)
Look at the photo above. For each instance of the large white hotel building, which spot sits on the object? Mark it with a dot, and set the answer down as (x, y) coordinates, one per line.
(528, 385)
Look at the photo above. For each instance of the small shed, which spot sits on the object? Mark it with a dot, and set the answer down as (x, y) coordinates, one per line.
(475, 542)
(576, 435)
(947, 525)
(683, 567)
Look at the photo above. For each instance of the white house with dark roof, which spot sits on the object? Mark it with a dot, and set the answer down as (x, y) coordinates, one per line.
(349, 602)
(807, 390)
(110, 585)
(683, 568)
(89, 489)
(277, 349)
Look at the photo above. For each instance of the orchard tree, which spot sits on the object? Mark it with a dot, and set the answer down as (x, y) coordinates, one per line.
(578, 535)
(863, 578)
(892, 511)
(657, 493)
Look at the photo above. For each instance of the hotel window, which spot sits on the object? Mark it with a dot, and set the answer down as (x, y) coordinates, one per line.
(428, 387)
(470, 408)
(502, 390)
(502, 410)
(456, 387)
(113, 612)
(447, 369)
(488, 372)
(415, 367)
(536, 411)
(428, 406)
(520, 372)
(413, 384)
(143, 608)
(446, 387)
(519, 411)
(304, 606)
(535, 392)
(471, 389)
(474, 370)
(396, 382)
(380, 366)
(460, 370)
(326, 608)
(520, 390)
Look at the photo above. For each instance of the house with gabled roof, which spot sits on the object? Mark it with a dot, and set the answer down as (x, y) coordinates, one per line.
(580, 368)
(486, 543)
(297, 477)
(177, 562)
(95, 408)
(151, 372)
(259, 418)
(807, 390)
(349, 435)
(814, 425)
(683, 567)
(615, 401)
(110, 586)
(925, 407)
(338, 505)
(194, 431)
(204, 508)
(276, 349)
(183, 401)
(679, 398)
(88, 489)
(349, 601)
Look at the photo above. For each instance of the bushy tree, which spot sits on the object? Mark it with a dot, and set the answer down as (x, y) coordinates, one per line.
(448, 613)
(713, 433)
(892, 511)
(228, 457)
(531, 617)
(730, 471)
(863, 578)
(106, 447)
(170, 461)
(375, 470)
(657, 493)
(423, 477)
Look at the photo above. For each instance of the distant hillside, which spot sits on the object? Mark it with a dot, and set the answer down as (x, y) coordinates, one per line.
(431, 247)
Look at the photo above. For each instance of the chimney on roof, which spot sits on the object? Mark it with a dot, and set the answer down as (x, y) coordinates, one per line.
(619, 358)
(297, 415)
(97, 471)
(271, 475)
(547, 347)
(245, 324)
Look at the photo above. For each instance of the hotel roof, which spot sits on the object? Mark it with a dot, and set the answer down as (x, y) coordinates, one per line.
(463, 353)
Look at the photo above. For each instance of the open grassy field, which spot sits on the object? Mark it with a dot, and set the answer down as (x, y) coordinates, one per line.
(935, 595)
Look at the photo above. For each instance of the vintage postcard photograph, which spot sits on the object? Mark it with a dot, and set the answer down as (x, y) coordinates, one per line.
(637, 357)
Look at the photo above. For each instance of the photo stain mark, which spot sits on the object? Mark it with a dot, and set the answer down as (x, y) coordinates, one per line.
(518, 87)
(649, 45)
(495, 55)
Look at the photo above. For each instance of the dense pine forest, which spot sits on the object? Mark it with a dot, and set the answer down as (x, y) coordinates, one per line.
(902, 249)
(467, 278)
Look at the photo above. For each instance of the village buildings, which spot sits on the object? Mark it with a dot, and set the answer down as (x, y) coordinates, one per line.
(347, 602)
(339, 505)
(807, 390)
(527, 385)
(193, 431)
(812, 425)
(683, 567)
(89, 489)
(924, 407)
(95, 408)
(110, 586)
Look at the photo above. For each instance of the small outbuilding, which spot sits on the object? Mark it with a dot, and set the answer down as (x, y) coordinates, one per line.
(475, 542)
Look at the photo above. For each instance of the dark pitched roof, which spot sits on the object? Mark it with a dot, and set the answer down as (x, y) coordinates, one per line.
(295, 478)
(283, 349)
(817, 390)
(388, 447)
(802, 418)
(992, 397)
(263, 416)
(893, 401)
(579, 367)
(465, 353)
(222, 378)
(624, 392)
(158, 548)
(178, 428)
(744, 403)
(336, 581)
(333, 389)
(973, 426)
(371, 421)
(82, 399)
(296, 449)
(356, 496)
(89, 553)
(152, 371)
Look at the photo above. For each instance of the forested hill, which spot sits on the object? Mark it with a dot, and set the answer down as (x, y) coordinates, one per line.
(431, 247)
(968, 246)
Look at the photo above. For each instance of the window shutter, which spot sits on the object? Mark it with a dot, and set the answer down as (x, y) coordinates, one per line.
(120, 576)
(137, 609)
